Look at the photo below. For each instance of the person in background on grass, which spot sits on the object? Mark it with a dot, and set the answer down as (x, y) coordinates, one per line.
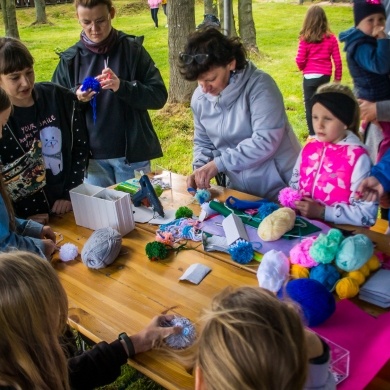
(44, 148)
(164, 5)
(241, 127)
(35, 348)
(16, 233)
(252, 340)
(317, 48)
(332, 165)
(154, 6)
(122, 138)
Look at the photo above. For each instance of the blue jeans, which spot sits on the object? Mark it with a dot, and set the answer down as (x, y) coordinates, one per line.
(105, 173)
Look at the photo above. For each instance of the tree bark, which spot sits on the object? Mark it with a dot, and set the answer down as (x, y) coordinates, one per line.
(233, 32)
(40, 12)
(181, 22)
(211, 7)
(9, 17)
(247, 25)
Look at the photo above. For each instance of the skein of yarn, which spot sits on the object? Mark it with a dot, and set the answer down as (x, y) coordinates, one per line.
(276, 224)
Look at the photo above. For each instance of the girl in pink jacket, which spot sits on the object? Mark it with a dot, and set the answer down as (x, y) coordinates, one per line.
(154, 6)
(333, 163)
(317, 48)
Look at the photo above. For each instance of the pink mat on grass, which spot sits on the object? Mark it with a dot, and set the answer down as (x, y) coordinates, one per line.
(365, 337)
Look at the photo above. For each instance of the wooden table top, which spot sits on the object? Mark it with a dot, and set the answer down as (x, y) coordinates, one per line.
(128, 294)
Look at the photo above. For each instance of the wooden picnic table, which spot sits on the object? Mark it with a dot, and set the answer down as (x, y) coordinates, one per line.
(128, 294)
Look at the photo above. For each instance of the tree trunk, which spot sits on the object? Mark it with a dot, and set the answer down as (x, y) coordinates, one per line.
(233, 32)
(181, 22)
(211, 7)
(247, 25)
(9, 16)
(40, 12)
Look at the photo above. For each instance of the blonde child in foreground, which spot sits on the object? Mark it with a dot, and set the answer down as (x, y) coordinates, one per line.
(318, 46)
(332, 165)
(252, 340)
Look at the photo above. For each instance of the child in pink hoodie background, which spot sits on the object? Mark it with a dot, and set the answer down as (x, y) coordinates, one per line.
(317, 48)
(154, 6)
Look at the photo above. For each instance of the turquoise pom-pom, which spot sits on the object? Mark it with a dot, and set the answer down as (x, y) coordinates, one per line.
(202, 196)
(241, 251)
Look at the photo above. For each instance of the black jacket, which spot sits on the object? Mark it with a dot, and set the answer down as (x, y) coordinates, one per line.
(141, 88)
(51, 101)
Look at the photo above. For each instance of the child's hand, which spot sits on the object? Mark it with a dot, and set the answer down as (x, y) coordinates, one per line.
(309, 208)
(378, 32)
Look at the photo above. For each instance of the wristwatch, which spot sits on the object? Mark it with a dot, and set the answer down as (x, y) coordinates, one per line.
(130, 347)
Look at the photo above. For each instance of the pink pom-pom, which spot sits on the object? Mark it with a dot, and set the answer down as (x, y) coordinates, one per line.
(299, 254)
(165, 238)
(68, 252)
(288, 196)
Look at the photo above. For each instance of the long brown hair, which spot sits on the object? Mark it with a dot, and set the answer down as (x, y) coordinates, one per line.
(33, 315)
(315, 25)
(5, 103)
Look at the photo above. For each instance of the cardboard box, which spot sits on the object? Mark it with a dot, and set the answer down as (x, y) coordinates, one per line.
(97, 207)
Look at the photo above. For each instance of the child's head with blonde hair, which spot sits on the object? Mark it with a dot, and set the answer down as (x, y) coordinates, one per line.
(315, 25)
(347, 102)
(251, 340)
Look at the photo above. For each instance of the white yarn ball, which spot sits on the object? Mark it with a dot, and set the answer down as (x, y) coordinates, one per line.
(68, 252)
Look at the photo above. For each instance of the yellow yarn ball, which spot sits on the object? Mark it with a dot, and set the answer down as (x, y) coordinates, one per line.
(347, 288)
(358, 276)
(373, 263)
(276, 224)
(298, 271)
(365, 270)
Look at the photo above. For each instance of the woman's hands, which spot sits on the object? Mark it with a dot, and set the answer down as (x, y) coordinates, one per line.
(201, 177)
(61, 206)
(108, 80)
(153, 333)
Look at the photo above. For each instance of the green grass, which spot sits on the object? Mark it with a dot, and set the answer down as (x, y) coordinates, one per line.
(277, 27)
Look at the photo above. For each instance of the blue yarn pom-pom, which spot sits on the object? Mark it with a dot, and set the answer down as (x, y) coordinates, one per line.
(326, 274)
(183, 339)
(266, 209)
(241, 251)
(94, 85)
(202, 196)
(317, 303)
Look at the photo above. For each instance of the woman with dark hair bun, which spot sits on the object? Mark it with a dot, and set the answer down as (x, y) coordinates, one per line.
(241, 127)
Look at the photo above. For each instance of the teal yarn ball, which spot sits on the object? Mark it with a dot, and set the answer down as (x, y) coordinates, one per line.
(326, 274)
(325, 247)
(354, 252)
(317, 303)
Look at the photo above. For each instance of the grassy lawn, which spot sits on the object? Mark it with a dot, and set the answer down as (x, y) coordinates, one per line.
(277, 27)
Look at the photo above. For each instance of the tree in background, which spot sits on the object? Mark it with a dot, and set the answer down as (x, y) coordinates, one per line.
(40, 11)
(211, 7)
(247, 25)
(181, 22)
(9, 18)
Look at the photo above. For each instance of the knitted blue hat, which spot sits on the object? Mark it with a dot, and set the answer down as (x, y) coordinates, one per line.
(364, 8)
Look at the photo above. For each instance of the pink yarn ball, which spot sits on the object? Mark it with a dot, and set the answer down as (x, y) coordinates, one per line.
(299, 254)
(288, 196)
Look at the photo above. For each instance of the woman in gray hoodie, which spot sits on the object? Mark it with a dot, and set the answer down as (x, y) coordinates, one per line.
(241, 127)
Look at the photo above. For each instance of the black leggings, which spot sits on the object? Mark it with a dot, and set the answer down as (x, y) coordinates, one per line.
(309, 88)
(154, 12)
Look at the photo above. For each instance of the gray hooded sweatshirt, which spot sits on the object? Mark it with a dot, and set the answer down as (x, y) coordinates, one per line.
(246, 132)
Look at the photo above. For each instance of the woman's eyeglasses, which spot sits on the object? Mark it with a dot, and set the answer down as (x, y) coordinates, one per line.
(199, 58)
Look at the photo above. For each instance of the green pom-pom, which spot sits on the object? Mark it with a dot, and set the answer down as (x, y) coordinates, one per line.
(183, 212)
(156, 250)
(158, 189)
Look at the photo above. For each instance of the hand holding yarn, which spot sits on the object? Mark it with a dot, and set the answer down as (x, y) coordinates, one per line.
(309, 208)
(88, 89)
(201, 177)
(108, 80)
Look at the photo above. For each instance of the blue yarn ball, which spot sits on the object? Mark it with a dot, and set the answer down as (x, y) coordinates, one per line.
(202, 196)
(91, 83)
(354, 252)
(266, 209)
(317, 303)
(326, 274)
(241, 251)
(183, 339)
